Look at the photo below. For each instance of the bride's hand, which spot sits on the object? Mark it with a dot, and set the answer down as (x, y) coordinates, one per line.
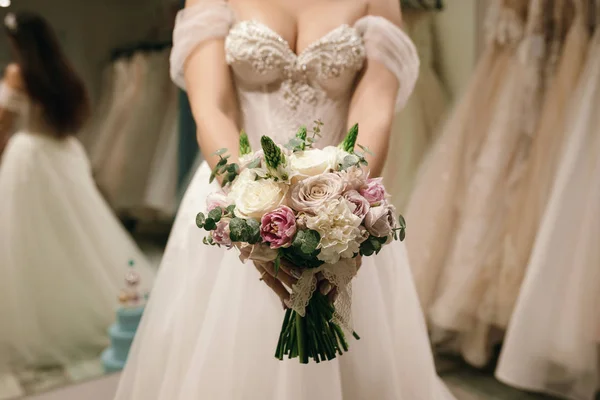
(282, 282)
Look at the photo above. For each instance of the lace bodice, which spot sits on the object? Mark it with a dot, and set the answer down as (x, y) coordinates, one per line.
(280, 90)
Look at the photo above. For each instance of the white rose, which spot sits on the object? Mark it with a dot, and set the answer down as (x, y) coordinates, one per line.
(254, 198)
(339, 229)
(336, 155)
(311, 162)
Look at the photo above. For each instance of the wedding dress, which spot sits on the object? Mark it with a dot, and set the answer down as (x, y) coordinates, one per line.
(436, 204)
(415, 127)
(524, 217)
(63, 254)
(211, 327)
(553, 340)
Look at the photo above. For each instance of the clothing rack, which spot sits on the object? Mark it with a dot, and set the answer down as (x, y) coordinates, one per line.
(423, 5)
(128, 51)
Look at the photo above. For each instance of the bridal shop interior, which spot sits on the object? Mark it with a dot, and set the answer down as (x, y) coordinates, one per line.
(494, 162)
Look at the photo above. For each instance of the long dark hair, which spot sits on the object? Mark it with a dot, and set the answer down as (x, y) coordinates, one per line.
(50, 80)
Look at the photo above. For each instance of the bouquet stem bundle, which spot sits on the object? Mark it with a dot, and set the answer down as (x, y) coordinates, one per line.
(315, 336)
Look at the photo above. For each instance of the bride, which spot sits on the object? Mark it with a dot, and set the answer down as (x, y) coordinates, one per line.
(63, 253)
(268, 67)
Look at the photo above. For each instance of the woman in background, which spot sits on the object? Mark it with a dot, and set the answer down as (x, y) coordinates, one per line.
(63, 254)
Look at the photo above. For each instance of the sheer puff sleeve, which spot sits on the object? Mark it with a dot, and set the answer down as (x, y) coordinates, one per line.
(386, 43)
(209, 19)
(12, 99)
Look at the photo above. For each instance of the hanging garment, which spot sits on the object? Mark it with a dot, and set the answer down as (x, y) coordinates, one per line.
(416, 126)
(533, 190)
(553, 339)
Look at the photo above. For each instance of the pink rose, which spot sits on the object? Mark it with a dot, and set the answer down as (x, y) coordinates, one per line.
(374, 192)
(217, 199)
(358, 204)
(314, 192)
(278, 227)
(221, 233)
(381, 220)
(354, 178)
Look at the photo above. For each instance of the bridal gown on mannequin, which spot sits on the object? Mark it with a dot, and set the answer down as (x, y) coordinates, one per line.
(210, 328)
(415, 127)
(63, 254)
(553, 341)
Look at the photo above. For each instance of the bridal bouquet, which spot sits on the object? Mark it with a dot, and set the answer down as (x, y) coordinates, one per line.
(318, 210)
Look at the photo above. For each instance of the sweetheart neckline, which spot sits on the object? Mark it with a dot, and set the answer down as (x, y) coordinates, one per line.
(280, 38)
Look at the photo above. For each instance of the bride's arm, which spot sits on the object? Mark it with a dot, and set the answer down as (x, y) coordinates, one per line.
(212, 98)
(374, 98)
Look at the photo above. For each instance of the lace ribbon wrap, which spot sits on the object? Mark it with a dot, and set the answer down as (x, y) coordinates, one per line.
(340, 275)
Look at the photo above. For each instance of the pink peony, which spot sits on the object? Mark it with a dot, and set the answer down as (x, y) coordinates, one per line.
(381, 220)
(217, 199)
(374, 192)
(278, 227)
(221, 234)
(358, 204)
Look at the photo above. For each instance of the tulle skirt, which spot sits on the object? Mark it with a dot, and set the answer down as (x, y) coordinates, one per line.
(211, 328)
(553, 340)
(63, 254)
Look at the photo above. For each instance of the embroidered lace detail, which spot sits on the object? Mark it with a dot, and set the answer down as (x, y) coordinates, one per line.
(251, 43)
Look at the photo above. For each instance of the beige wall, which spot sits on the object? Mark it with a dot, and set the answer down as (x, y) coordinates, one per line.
(457, 29)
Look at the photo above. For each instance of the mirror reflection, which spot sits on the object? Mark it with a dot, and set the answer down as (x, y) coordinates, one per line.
(479, 116)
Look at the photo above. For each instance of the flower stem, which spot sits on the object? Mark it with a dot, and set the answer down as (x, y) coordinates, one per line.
(301, 335)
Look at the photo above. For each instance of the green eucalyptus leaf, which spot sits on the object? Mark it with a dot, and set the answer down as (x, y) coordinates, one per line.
(253, 227)
(220, 152)
(200, 220)
(230, 210)
(402, 222)
(210, 224)
(216, 214)
(402, 234)
(236, 229)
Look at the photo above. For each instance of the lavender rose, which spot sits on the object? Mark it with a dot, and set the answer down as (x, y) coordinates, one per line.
(381, 220)
(217, 199)
(358, 204)
(278, 227)
(221, 234)
(374, 192)
(314, 192)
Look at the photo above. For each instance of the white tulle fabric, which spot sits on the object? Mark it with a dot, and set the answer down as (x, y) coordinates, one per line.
(387, 44)
(63, 254)
(211, 327)
(553, 341)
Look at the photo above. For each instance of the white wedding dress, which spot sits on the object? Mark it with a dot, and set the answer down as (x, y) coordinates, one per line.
(211, 327)
(63, 253)
(553, 340)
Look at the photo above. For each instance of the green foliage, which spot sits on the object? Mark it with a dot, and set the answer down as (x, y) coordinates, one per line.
(372, 245)
(245, 147)
(200, 220)
(273, 155)
(350, 141)
(304, 249)
(216, 214)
